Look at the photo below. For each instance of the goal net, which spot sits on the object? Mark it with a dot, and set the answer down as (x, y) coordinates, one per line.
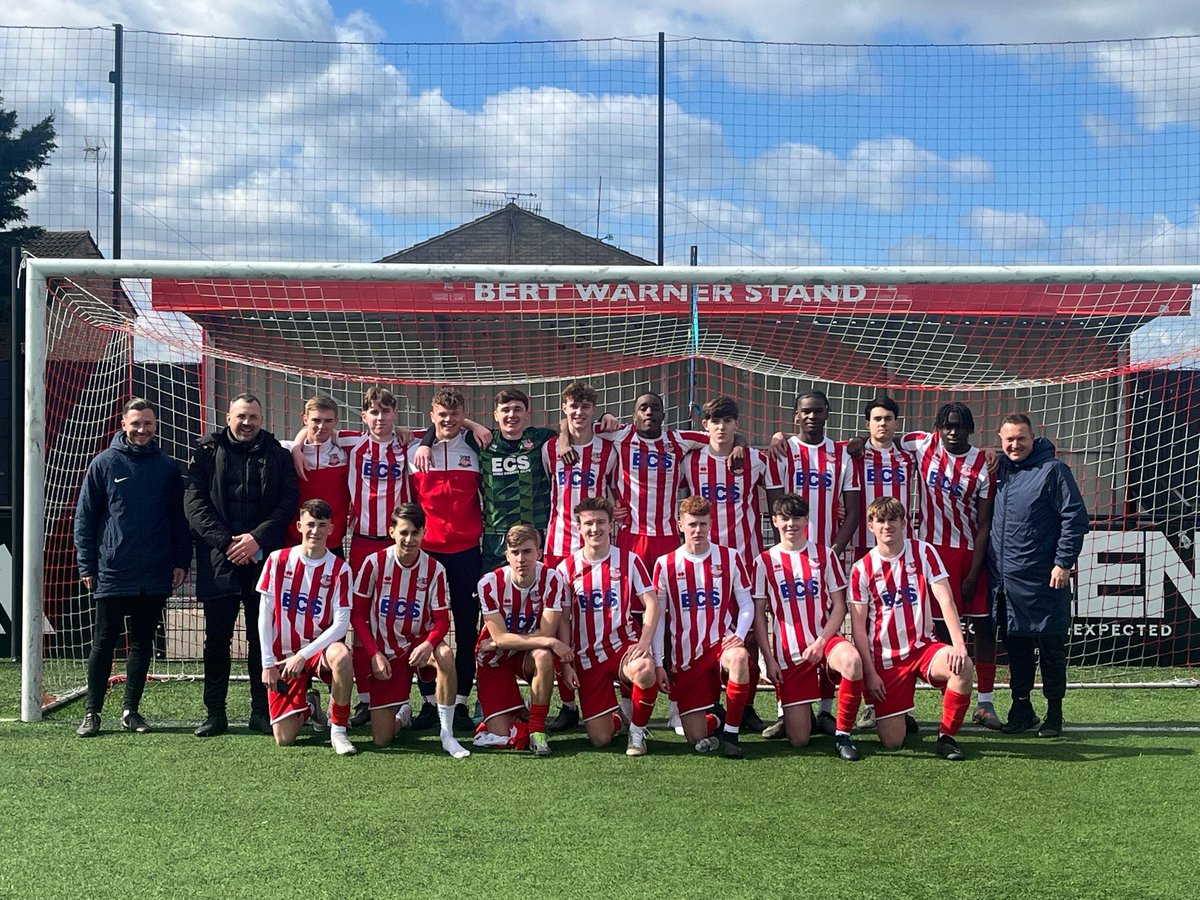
(1101, 359)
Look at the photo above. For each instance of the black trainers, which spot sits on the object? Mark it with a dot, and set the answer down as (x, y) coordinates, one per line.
(825, 723)
(844, 745)
(566, 719)
(947, 748)
(133, 721)
(212, 726)
(462, 719)
(731, 747)
(362, 715)
(775, 730)
(751, 720)
(90, 726)
(1052, 727)
(910, 725)
(260, 723)
(427, 718)
(1021, 718)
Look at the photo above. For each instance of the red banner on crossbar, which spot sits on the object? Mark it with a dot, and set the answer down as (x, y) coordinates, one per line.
(501, 298)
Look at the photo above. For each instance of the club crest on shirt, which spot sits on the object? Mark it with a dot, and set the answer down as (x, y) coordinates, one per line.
(526, 444)
(327, 579)
(464, 461)
(615, 573)
(718, 571)
(335, 458)
(422, 582)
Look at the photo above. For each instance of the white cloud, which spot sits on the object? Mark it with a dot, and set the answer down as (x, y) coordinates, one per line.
(1162, 76)
(822, 21)
(1005, 230)
(886, 174)
(1107, 238)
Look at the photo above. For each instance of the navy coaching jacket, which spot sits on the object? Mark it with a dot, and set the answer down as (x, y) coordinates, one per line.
(130, 530)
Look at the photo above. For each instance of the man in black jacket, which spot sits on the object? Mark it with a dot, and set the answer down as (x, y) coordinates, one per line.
(1038, 525)
(241, 494)
(132, 547)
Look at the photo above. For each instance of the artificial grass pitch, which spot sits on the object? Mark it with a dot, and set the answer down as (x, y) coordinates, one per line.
(1109, 813)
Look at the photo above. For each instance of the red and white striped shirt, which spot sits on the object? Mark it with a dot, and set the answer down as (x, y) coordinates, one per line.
(734, 495)
(522, 608)
(699, 599)
(449, 494)
(821, 474)
(326, 467)
(797, 585)
(399, 602)
(899, 600)
(305, 595)
(882, 473)
(378, 478)
(649, 472)
(592, 476)
(950, 490)
(602, 596)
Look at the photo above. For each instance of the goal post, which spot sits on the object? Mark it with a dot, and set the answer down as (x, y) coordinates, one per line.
(1100, 356)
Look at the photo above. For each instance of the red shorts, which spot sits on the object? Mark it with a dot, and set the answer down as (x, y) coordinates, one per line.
(900, 681)
(647, 548)
(596, 694)
(362, 546)
(497, 688)
(801, 683)
(698, 687)
(398, 688)
(958, 564)
(294, 701)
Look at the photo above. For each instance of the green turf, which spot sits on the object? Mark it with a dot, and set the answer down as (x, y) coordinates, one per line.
(1092, 815)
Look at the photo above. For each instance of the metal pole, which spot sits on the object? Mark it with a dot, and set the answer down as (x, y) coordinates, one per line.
(117, 78)
(34, 510)
(693, 292)
(662, 146)
(17, 486)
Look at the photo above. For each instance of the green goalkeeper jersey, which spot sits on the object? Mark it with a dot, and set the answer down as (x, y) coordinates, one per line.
(516, 488)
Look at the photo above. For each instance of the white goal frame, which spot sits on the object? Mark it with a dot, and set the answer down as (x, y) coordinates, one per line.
(39, 271)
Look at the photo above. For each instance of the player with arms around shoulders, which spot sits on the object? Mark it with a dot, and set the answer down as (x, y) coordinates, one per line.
(303, 613)
(892, 591)
(603, 582)
(804, 590)
(324, 473)
(707, 612)
(522, 610)
(402, 616)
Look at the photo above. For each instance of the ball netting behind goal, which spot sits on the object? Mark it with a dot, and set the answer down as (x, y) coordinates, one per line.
(1102, 368)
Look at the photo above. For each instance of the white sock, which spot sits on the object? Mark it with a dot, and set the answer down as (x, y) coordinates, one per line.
(446, 718)
(732, 729)
(451, 745)
(778, 709)
(126, 712)
(826, 705)
(460, 698)
(626, 705)
(986, 699)
(636, 729)
(429, 698)
(337, 729)
(364, 698)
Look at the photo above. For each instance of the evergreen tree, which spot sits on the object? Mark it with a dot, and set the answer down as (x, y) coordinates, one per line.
(21, 152)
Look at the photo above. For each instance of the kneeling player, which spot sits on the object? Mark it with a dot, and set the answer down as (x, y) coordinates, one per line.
(402, 615)
(303, 612)
(522, 608)
(700, 587)
(891, 614)
(603, 584)
(804, 589)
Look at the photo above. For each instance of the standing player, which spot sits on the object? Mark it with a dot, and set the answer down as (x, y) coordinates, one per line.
(704, 595)
(805, 592)
(954, 503)
(303, 612)
(821, 472)
(325, 467)
(892, 589)
(401, 613)
(588, 472)
(603, 582)
(522, 606)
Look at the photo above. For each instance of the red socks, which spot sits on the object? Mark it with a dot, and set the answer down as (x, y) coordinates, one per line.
(849, 700)
(711, 722)
(954, 710)
(339, 714)
(986, 674)
(537, 717)
(643, 704)
(618, 722)
(736, 697)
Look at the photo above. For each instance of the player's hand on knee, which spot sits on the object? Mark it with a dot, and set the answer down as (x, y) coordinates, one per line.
(421, 655)
(380, 667)
(562, 651)
(731, 642)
